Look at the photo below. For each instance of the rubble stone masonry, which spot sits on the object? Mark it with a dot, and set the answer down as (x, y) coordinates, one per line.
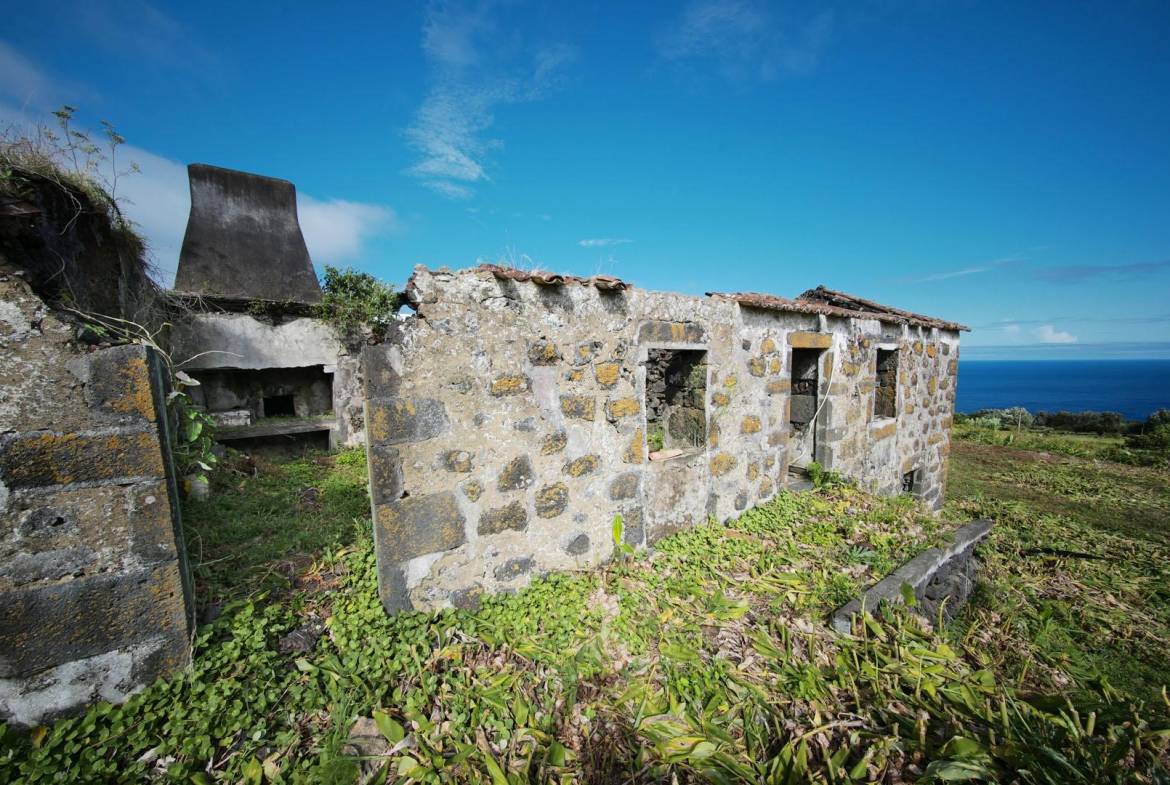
(92, 598)
(506, 423)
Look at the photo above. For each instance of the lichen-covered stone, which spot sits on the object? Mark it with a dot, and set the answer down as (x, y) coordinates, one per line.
(468, 598)
(554, 443)
(385, 468)
(625, 486)
(513, 568)
(753, 471)
(633, 527)
(516, 475)
(418, 525)
(807, 340)
(671, 332)
(39, 459)
(756, 366)
(635, 452)
(512, 384)
(767, 346)
(778, 387)
(543, 352)
(551, 500)
(766, 487)
(720, 399)
(119, 382)
(774, 366)
(473, 489)
(722, 463)
(511, 516)
(579, 407)
(750, 424)
(730, 381)
(585, 352)
(457, 461)
(623, 407)
(579, 467)
(400, 420)
(607, 373)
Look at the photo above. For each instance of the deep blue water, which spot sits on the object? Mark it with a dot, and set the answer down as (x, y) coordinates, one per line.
(1133, 387)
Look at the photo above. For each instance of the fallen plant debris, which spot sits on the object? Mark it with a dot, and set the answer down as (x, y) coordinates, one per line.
(708, 661)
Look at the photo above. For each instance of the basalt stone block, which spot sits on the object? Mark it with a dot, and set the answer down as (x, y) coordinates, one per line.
(633, 527)
(243, 239)
(468, 598)
(554, 443)
(399, 420)
(473, 489)
(458, 461)
(511, 516)
(516, 475)
(579, 467)
(417, 525)
(551, 500)
(152, 529)
(806, 340)
(119, 382)
(45, 626)
(607, 373)
(579, 407)
(671, 332)
(801, 408)
(514, 568)
(578, 546)
(750, 424)
(625, 486)
(382, 379)
(392, 589)
(512, 384)
(543, 352)
(623, 407)
(37, 460)
(722, 463)
(385, 467)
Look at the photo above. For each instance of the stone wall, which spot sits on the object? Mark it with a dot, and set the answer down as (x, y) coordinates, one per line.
(92, 589)
(506, 424)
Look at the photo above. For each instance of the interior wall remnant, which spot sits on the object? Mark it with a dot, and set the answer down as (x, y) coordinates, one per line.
(269, 392)
(676, 393)
(93, 585)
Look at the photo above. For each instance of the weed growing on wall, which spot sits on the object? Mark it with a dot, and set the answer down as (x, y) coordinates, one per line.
(356, 303)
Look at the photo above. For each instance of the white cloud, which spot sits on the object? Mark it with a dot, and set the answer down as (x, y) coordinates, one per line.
(1011, 329)
(337, 229)
(472, 78)
(601, 242)
(746, 38)
(1046, 333)
(21, 80)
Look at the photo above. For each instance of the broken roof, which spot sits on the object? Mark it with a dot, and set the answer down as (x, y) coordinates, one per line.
(831, 302)
(820, 300)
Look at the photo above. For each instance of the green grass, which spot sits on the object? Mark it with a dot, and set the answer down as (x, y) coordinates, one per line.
(710, 661)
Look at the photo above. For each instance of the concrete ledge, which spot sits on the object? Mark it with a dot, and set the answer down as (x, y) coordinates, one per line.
(934, 575)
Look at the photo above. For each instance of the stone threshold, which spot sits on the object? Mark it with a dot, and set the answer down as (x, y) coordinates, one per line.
(275, 427)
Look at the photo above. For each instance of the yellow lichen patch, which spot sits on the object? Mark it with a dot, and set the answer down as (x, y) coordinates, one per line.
(713, 435)
(513, 384)
(778, 386)
(884, 432)
(136, 397)
(767, 346)
(580, 407)
(579, 467)
(635, 453)
(722, 463)
(753, 471)
(575, 374)
(678, 332)
(607, 373)
(623, 407)
(806, 340)
(917, 347)
(936, 437)
(850, 369)
(756, 366)
(909, 408)
(765, 487)
(730, 381)
(931, 385)
(932, 350)
(774, 366)
(750, 424)
(720, 399)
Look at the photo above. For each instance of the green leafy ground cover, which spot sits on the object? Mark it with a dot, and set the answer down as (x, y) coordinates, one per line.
(708, 662)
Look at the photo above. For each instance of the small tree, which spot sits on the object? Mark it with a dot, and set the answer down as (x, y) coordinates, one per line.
(354, 302)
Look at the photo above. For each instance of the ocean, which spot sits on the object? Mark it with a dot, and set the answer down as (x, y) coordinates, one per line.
(1135, 388)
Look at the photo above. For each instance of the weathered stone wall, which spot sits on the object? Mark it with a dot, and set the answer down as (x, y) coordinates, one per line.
(506, 424)
(92, 597)
(224, 340)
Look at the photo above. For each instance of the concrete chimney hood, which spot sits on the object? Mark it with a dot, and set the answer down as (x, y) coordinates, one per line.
(243, 239)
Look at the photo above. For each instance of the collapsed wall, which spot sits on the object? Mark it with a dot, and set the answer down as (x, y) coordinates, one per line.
(93, 604)
(510, 421)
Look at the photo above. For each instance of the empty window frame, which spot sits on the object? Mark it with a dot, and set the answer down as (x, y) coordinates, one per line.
(909, 481)
(676, 394)
(805, 383)
(885, 402)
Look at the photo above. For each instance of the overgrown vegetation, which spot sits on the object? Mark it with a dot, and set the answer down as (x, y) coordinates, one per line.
(1090, 434)
(357, 303)
(709, 661)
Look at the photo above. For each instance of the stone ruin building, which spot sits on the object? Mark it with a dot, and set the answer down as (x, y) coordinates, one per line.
(507, 421)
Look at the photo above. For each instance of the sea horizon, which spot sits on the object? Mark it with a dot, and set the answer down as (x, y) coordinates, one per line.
(1134, 388)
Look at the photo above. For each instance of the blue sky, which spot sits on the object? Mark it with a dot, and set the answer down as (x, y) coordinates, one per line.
(1001, 164)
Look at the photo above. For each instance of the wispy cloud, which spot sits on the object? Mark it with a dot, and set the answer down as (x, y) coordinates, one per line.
(472, 77)
(1046, 333)
(602, 242)
(1017, 323)
(1074, 273)
(21, 80)
(746, 38)
(139, 29)
(947, 275)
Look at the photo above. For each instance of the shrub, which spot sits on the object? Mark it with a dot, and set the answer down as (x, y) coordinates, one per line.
(356, 302)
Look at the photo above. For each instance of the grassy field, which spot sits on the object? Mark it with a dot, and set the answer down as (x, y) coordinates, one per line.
(709, 661)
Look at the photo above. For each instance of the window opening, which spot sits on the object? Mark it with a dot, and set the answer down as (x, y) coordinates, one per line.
(676, 395)
(279, 406)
